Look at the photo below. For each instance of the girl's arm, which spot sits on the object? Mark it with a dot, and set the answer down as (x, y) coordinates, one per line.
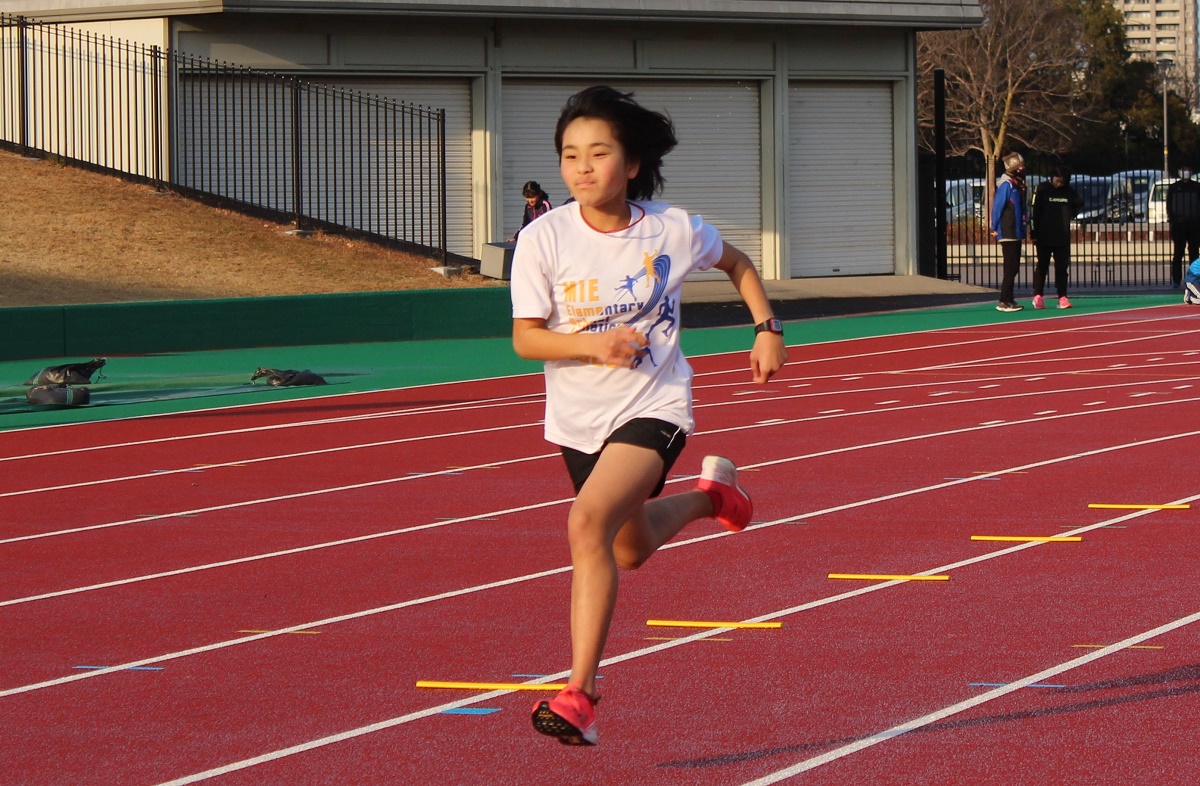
(616, 347)
(769, 352)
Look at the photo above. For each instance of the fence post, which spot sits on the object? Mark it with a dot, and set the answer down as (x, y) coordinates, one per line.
(156, 110)
(442, 181)
(939, 169)
(297, 169)
(23, 80)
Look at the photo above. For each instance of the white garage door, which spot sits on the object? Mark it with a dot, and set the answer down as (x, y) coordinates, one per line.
(841, 218)
(715, 171)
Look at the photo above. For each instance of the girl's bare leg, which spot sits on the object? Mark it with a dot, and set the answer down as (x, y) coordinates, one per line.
(611, 523)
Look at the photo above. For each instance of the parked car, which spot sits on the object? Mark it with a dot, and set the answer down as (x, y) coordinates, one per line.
(964, 199)
(1105, 199)
(1138, 182)
(1156, 210)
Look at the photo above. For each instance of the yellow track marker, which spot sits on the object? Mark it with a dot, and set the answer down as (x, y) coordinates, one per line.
(1133, 647)
(491, 685)
(1029, 539)
(885, 577)
(677, 638)
(696, 624)
(290, 632)
(1138, 507)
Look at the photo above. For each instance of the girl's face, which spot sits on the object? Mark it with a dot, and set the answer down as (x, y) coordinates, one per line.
(594, 167)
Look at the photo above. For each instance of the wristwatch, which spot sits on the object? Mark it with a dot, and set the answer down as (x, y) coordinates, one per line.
(772, 325)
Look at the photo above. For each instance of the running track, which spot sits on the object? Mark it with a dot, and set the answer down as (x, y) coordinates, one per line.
(249, 595)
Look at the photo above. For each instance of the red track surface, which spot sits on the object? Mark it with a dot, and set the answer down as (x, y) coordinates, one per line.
(418, 535)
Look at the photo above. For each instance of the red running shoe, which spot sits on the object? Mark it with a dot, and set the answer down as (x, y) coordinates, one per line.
(731, 506)
(570, 716)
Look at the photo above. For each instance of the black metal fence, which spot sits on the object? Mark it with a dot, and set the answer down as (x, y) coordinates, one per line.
(1119, 240)
(312, 154)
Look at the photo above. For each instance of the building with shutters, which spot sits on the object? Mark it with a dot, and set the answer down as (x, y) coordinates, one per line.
(796, 118)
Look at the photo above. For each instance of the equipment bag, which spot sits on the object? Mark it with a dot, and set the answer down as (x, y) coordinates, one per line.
(68, 373)
(57, 396)
(288, 377)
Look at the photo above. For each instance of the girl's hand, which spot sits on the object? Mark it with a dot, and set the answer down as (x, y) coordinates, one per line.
(618, 347)
(768, 356)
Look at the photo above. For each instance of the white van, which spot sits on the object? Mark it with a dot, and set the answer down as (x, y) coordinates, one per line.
(1139, 183)
(1156, 212)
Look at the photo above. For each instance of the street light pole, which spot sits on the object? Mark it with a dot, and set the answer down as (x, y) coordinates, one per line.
(1165, 66)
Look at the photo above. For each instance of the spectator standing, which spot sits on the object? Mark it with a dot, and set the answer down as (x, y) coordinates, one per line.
(1008, 225)
(1183, 213)
(1055, 204)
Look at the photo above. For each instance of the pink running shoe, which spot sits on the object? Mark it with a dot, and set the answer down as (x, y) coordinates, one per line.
(570, 716)
(1063, 302)
(731, 506)
(1039, 301)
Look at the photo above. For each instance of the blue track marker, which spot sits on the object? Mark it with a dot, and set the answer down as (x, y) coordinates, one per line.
(470, 711)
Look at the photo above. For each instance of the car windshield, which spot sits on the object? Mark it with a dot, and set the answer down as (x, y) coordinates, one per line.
(1094, 193)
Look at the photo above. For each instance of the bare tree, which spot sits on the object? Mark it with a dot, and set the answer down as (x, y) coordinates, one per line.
(1013, 80)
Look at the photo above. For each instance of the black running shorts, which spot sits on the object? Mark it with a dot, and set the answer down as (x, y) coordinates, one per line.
(666, 439)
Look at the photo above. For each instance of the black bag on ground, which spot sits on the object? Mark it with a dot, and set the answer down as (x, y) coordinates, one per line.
(288, 377)
(68, 373)
(57, 396)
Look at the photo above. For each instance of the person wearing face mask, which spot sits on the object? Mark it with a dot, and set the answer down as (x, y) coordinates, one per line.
(1008, 225)
(1183, 213)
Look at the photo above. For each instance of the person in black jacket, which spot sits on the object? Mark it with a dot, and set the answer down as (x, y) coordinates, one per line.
(537, 204)
(1183, 212)
(1055, 203)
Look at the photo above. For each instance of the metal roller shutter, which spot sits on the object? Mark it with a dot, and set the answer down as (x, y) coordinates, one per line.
(715, 171)
(453, 95)
(841, 216)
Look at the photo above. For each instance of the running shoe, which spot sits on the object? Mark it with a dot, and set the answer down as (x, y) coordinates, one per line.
(731, 506)
(1009, 307)
(1063, 302)
(570, 716)
(1039, 301)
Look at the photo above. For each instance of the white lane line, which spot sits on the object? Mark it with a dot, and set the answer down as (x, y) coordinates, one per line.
(278, 498)
(963, 706)
(1021, 469)
(538, 396)
(486, 404)
(644, 652)
(235, 462)
(741, 427)
(1025, 356)
(158, 473)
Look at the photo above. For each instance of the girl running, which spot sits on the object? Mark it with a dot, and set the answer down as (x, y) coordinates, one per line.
(595, 292)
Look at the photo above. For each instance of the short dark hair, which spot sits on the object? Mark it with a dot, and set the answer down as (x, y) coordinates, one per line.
(533, 188)
(645, 136)
(1061, 171)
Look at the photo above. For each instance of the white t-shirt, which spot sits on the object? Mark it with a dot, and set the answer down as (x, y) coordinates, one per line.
(578, 278)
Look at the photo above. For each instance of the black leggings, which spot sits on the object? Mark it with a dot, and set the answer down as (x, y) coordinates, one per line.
(1062, 268)
(1011, 249)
